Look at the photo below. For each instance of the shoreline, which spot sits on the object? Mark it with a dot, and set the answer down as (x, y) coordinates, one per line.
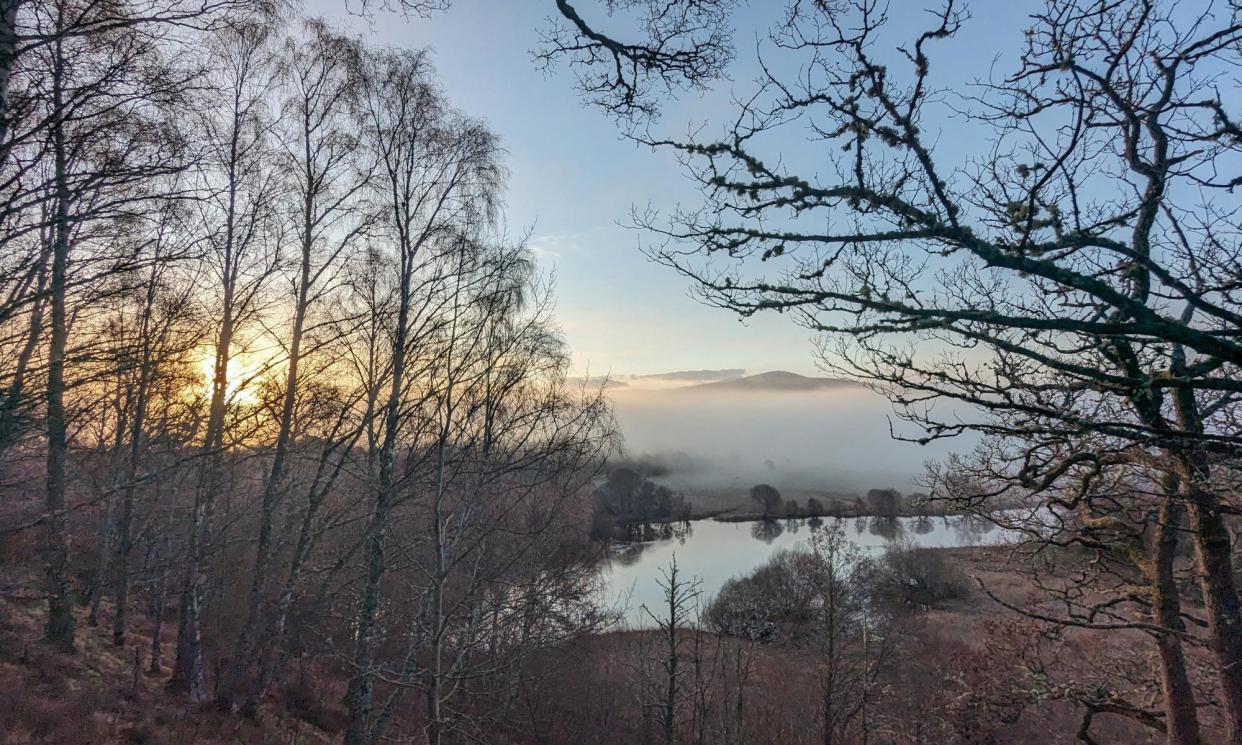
(732, 515)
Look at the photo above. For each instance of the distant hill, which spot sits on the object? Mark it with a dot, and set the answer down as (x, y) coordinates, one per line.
(694, 376)
(595, 382)
(777, 380)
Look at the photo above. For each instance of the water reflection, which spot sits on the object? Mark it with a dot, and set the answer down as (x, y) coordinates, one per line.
(714, 552)
(888, 528)
(766, 530)
(971, 529)
(647, 532)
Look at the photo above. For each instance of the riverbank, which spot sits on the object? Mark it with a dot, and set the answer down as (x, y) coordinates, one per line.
(732, 516)
(968, 668)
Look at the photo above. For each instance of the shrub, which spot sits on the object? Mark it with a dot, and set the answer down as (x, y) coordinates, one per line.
(908, 576)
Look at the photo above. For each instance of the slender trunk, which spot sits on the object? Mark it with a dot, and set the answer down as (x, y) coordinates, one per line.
(435, 665)
(11, 407)
(244, 645)
(1179, 696)
(158, 613)
(673, 658)
(60, 624)
(272, 657)
(125, 518)
(189, 676)
(8, 58)
(107, 529)
(358, 694)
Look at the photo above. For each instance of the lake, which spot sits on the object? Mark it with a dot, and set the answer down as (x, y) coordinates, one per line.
(714, 552)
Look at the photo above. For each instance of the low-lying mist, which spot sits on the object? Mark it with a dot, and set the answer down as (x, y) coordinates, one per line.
(835, 439)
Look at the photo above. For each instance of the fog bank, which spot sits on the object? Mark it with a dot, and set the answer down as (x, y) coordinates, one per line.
(837, 439)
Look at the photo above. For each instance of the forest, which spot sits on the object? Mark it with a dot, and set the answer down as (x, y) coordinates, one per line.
(293, 448)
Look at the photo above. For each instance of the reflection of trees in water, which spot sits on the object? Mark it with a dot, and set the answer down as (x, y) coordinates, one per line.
(766, 530)
(887, 528)
(629, 555)
(970, 529)
(816, 522)
(648, 532)
(923, 525)
(793, 524)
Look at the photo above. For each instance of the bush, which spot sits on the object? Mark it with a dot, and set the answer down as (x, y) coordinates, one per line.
(908, 576)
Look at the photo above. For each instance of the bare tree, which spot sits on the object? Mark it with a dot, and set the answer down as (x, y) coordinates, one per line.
(436, 172)
(680, 607)
(321, 158)
(238, 224)
(1073, 280)
(96, 84)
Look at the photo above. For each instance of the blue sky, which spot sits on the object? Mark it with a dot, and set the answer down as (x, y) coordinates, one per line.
(574, 178)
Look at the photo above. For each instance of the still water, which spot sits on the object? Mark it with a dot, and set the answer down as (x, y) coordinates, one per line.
(713, 552)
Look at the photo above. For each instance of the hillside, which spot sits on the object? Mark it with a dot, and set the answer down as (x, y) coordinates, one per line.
(776, 380)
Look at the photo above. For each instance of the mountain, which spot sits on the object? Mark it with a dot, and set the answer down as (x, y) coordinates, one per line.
(777, 380)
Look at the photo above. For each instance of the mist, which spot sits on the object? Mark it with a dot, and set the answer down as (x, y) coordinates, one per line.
(837, 439)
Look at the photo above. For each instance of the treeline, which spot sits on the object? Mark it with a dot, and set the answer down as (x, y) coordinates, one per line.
(272, 372)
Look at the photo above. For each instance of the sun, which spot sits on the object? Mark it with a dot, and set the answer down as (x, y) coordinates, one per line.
(241, 376)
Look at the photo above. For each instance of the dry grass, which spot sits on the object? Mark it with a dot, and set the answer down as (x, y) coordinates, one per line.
(89, 699)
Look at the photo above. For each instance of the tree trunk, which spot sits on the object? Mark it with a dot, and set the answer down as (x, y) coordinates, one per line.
(1214, 554)
(188, 673)
(8, 57)
(358, 694)
(272, 653)
(125, 516)
(60, 625)
(244, 645)
(157, 615)
(1179, 696)
(11, 407)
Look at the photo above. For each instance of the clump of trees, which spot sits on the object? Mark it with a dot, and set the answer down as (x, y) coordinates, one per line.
(767, 498)
(626, 496)
(842, 609)
(281, 367)
(884, 502)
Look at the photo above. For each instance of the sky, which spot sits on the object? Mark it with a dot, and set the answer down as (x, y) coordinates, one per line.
(574, 178)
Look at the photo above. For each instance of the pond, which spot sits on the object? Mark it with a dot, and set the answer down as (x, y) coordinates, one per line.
(712, 552)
